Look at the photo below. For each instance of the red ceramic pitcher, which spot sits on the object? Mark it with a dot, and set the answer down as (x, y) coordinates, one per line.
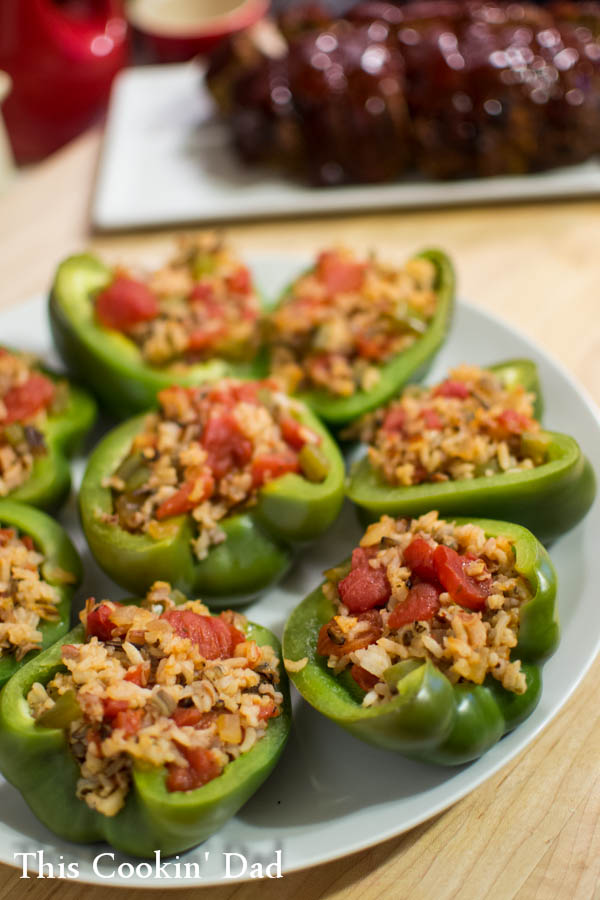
(62, 56)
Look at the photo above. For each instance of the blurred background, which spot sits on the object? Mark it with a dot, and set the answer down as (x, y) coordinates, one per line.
(336, 92)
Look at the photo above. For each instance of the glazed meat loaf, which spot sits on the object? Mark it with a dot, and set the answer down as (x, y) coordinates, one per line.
(443, 88)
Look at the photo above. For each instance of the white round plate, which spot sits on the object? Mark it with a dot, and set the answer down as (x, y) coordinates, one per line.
(331, 795)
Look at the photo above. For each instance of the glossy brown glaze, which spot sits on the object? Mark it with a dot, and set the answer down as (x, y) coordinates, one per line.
(443, 87)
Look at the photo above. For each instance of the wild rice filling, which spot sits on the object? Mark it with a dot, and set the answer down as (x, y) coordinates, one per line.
(200, 304)
(207, 452)
(158, 685)
(468, 426)
(26, 398)
(422, 589)
(26, 598)
(346, 317)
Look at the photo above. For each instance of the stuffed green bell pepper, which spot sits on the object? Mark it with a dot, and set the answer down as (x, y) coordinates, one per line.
(187, 717)
(473, 445)
(43, 419)
(129, 336)
(212, 491)
(429, 640)
(348, 334)
(40, 571)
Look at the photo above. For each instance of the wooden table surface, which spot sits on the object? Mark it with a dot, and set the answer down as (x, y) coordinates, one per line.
(533, 830)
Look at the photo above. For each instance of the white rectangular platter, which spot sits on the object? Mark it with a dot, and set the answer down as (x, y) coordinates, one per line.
(167, 159)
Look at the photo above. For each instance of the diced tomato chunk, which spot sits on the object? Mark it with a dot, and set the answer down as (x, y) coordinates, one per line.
(395, 420)
(295, 434)
(215, 638)
(201, 338)
(339, 275)
(6, 535)
(421, 604)
(125, 303)
(129, 720)
(201, 769)
(203, 293)
(99, 623)
(363, 587)
(28, 542)
(270, 466)
(291, 431)
(463, 589)
(268, 710)
(137, 675)
(450, 388)
(418, 556)
(365, 680)
(432, 419)
(113, 707)
(26, 400)
(373, 348)
(225, 444)
(187, 715)
(186, 498)
(514, 422)
(240, 281)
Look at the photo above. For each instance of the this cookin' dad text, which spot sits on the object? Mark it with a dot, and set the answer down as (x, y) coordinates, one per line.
(104, 865)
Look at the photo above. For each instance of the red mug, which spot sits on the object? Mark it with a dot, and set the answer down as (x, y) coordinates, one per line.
(62, 56)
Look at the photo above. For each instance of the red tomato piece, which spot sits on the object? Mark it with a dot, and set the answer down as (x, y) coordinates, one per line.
(246, 391)
(201, 769)
(225, 444)
(125, 303)
(431, 419)
(450, 388)
(295, 434)
(339, 275)
(187, 715)
(137, 675)
(6, 535)
(215, 638)
(373, 348)
(365, 680)
(364, 588)
(24, 401)
(203, 293)
(186, 498)
(270, 466)
(421, 604)
(463, 588)
(202, 338)
(113, 707)
(418, 556)
(268, 711)
(99, 623)
(28, 542)
(395, 420)
(129, 720)
(514, 422)
(240, 281)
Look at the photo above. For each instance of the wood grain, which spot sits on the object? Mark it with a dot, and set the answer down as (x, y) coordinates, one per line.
(532, 832)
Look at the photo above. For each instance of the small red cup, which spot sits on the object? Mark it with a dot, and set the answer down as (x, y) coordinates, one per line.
(177, 30)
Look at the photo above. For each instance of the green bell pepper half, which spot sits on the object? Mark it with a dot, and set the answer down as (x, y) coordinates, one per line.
(548, 499)
(53, 542)
(410, 365)
(431, 719)
(108, 361)
(258, 547)
(37, 761)
(50, 481)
